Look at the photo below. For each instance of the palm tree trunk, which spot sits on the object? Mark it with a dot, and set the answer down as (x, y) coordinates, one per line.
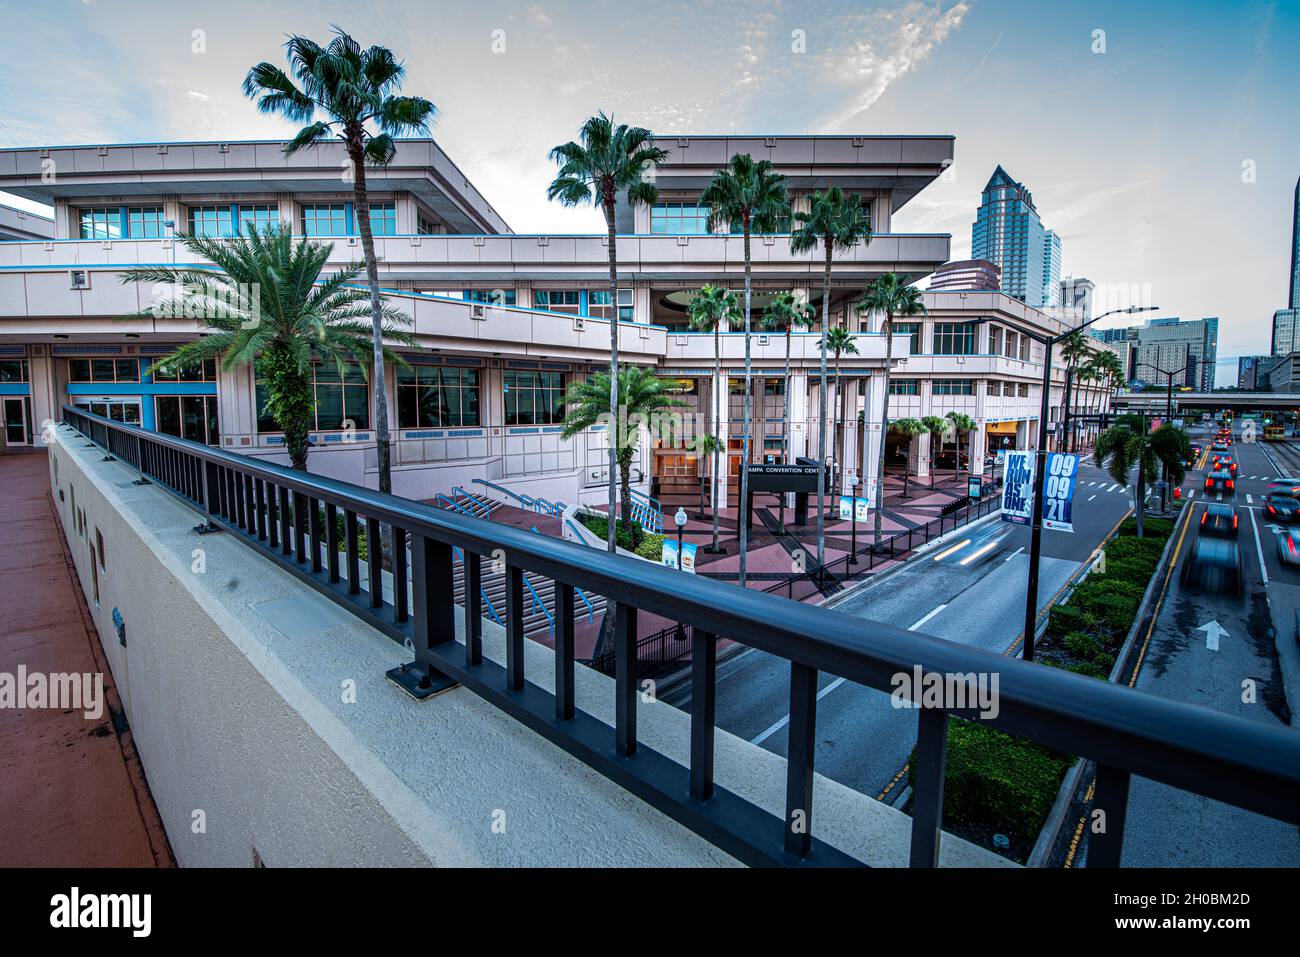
(378, 378)
(717, 425)
(1138, 502)
(615, 420)
(884, 425)
(821, 406)
(748, 437)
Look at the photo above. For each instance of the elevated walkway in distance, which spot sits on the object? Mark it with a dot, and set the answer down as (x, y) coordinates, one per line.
(72, 789)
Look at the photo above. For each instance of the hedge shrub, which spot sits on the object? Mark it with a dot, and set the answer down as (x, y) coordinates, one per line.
(628, 535)
(651, 547)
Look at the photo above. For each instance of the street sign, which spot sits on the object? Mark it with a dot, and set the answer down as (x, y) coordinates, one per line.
(1058, 491)
(854, 508)
(975, 487)
(688, 557)
(685, 560)
(1018, 487)
(669, 553)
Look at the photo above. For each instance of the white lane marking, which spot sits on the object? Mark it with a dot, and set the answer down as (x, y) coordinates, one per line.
(1249, 500)
(1014, 554)
(1213, 631)
(1191, 493)
(1259, 549)
(1112, 488)
(786, 720)
(932, 613)
(1091, 497)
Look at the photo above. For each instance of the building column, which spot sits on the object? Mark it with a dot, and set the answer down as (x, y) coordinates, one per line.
(978, 443)
(873, 434)
(720, 411)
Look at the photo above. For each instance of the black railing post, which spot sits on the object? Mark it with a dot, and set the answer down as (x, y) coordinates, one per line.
(375, 562)
(625, 679)
(434, 619)
(927, 794)
(352, 543)
(211, 482)
(331, 540)
(514, 628)
(564, 677)
(1106, 821)
(400, 613)
(704, 677)
(799, 760)
(473, 585)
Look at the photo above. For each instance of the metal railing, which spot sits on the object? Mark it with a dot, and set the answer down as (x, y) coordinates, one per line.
(286, 515)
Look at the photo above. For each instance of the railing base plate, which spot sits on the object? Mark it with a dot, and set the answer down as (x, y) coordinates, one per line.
(420, 684)
(206, 529)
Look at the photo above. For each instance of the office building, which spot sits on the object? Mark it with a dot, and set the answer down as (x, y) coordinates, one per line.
(967, 274)
(1008, 231)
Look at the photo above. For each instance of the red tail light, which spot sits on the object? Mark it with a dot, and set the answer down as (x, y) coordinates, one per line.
(1204, 516)
(1229, 483)
(1234, 520)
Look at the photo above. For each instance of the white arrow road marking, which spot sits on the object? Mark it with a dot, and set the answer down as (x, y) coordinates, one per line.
(1249, 500)
(1213, 630)
(1259, 549)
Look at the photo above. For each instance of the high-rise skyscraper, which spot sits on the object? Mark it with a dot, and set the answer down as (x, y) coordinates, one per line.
(1051, 267)
(1293, 301)
(1008, 231)
(1286, 322)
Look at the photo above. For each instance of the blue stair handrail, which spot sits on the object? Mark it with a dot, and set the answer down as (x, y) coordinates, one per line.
(446, 502)
(591, 609)
(537, 603)
(492, 612)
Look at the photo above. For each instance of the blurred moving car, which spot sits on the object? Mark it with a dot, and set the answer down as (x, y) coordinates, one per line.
(1214, 565)
(1219, 480)
(1219, 446)
(976, 548)
(1288, 546)
(1219, 520)
(1225, 461)
(1282, 500)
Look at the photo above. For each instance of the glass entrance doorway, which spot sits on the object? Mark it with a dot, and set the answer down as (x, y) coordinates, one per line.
(126, 409)
(17, 416)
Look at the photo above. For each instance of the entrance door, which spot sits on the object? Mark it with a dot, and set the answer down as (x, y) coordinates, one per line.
(118, 409)
(15, 421)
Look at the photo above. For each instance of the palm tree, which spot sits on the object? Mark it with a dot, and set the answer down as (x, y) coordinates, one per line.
(706, 447)
(639, 395)
(749, 194)
(892, 296)
(1126, 446)
(297, 318)
(356, 90)
(609, 159)
(833, 221)
(961, 424)
(710, 309)
(839, 341)
(937, 427)
(910, 428)
(1075, 351)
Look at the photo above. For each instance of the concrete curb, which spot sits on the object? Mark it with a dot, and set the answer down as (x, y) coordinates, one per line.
(1051, 830)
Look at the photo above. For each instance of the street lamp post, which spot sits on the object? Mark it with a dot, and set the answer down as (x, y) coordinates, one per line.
(1040, 469)
(853, 518)
(1169, 415)
(679, 519)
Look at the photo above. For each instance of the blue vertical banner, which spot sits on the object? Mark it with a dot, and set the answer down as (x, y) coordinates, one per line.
(1018, 487)
(1058, 491)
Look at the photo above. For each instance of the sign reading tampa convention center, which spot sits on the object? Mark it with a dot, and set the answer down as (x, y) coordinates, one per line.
(1058, 489)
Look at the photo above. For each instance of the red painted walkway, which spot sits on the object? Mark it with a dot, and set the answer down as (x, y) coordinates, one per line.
(72, 790)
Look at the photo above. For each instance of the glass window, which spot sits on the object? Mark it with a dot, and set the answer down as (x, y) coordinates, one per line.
(205, 371)
(995, 340)
(1022, 389)
(912, 330)
(103, 370)
(13, 370)
(497, 297)
(904, 386)
(954, 338)
(433, 396)
(993, 387)
(598, 304)
(192, 417)
(773, 387)
(260, 215)
(424, 227)
(329, 219)
(383, 219)
(341, 399)
(534, 398)
(210, 221)
(103, 222)
(560, 300)
(954, 387)
(678, 219)
(145, 222)
(1024, 348)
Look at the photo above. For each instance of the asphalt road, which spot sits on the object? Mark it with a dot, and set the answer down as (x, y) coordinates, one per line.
(1227, 653)
(863, 741)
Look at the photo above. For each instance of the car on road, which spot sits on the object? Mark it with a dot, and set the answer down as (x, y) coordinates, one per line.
(1214, 565)
(1219, 480)
(976, 548)
(1288, 546)
(1219, 446)
(1226, 461)
(1282, 502)
(1219, 520)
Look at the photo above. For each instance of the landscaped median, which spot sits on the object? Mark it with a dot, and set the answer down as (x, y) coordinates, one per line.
(999, 791)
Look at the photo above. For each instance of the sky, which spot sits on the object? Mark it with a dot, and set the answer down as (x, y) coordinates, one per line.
(1160, 139)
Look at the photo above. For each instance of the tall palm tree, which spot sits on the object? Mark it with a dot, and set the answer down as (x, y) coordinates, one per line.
(937, 427)
(639, 394)
(892, 296)
(833, 221)
(1075, 351)
(1128, 446)
(750, 195)
(710, 309)
(356, 90)
(910, 428)
(297, 318)
(961, 424)
(609, 159)
(840, 342)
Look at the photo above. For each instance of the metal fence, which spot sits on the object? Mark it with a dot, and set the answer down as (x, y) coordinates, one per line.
(279, 514)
